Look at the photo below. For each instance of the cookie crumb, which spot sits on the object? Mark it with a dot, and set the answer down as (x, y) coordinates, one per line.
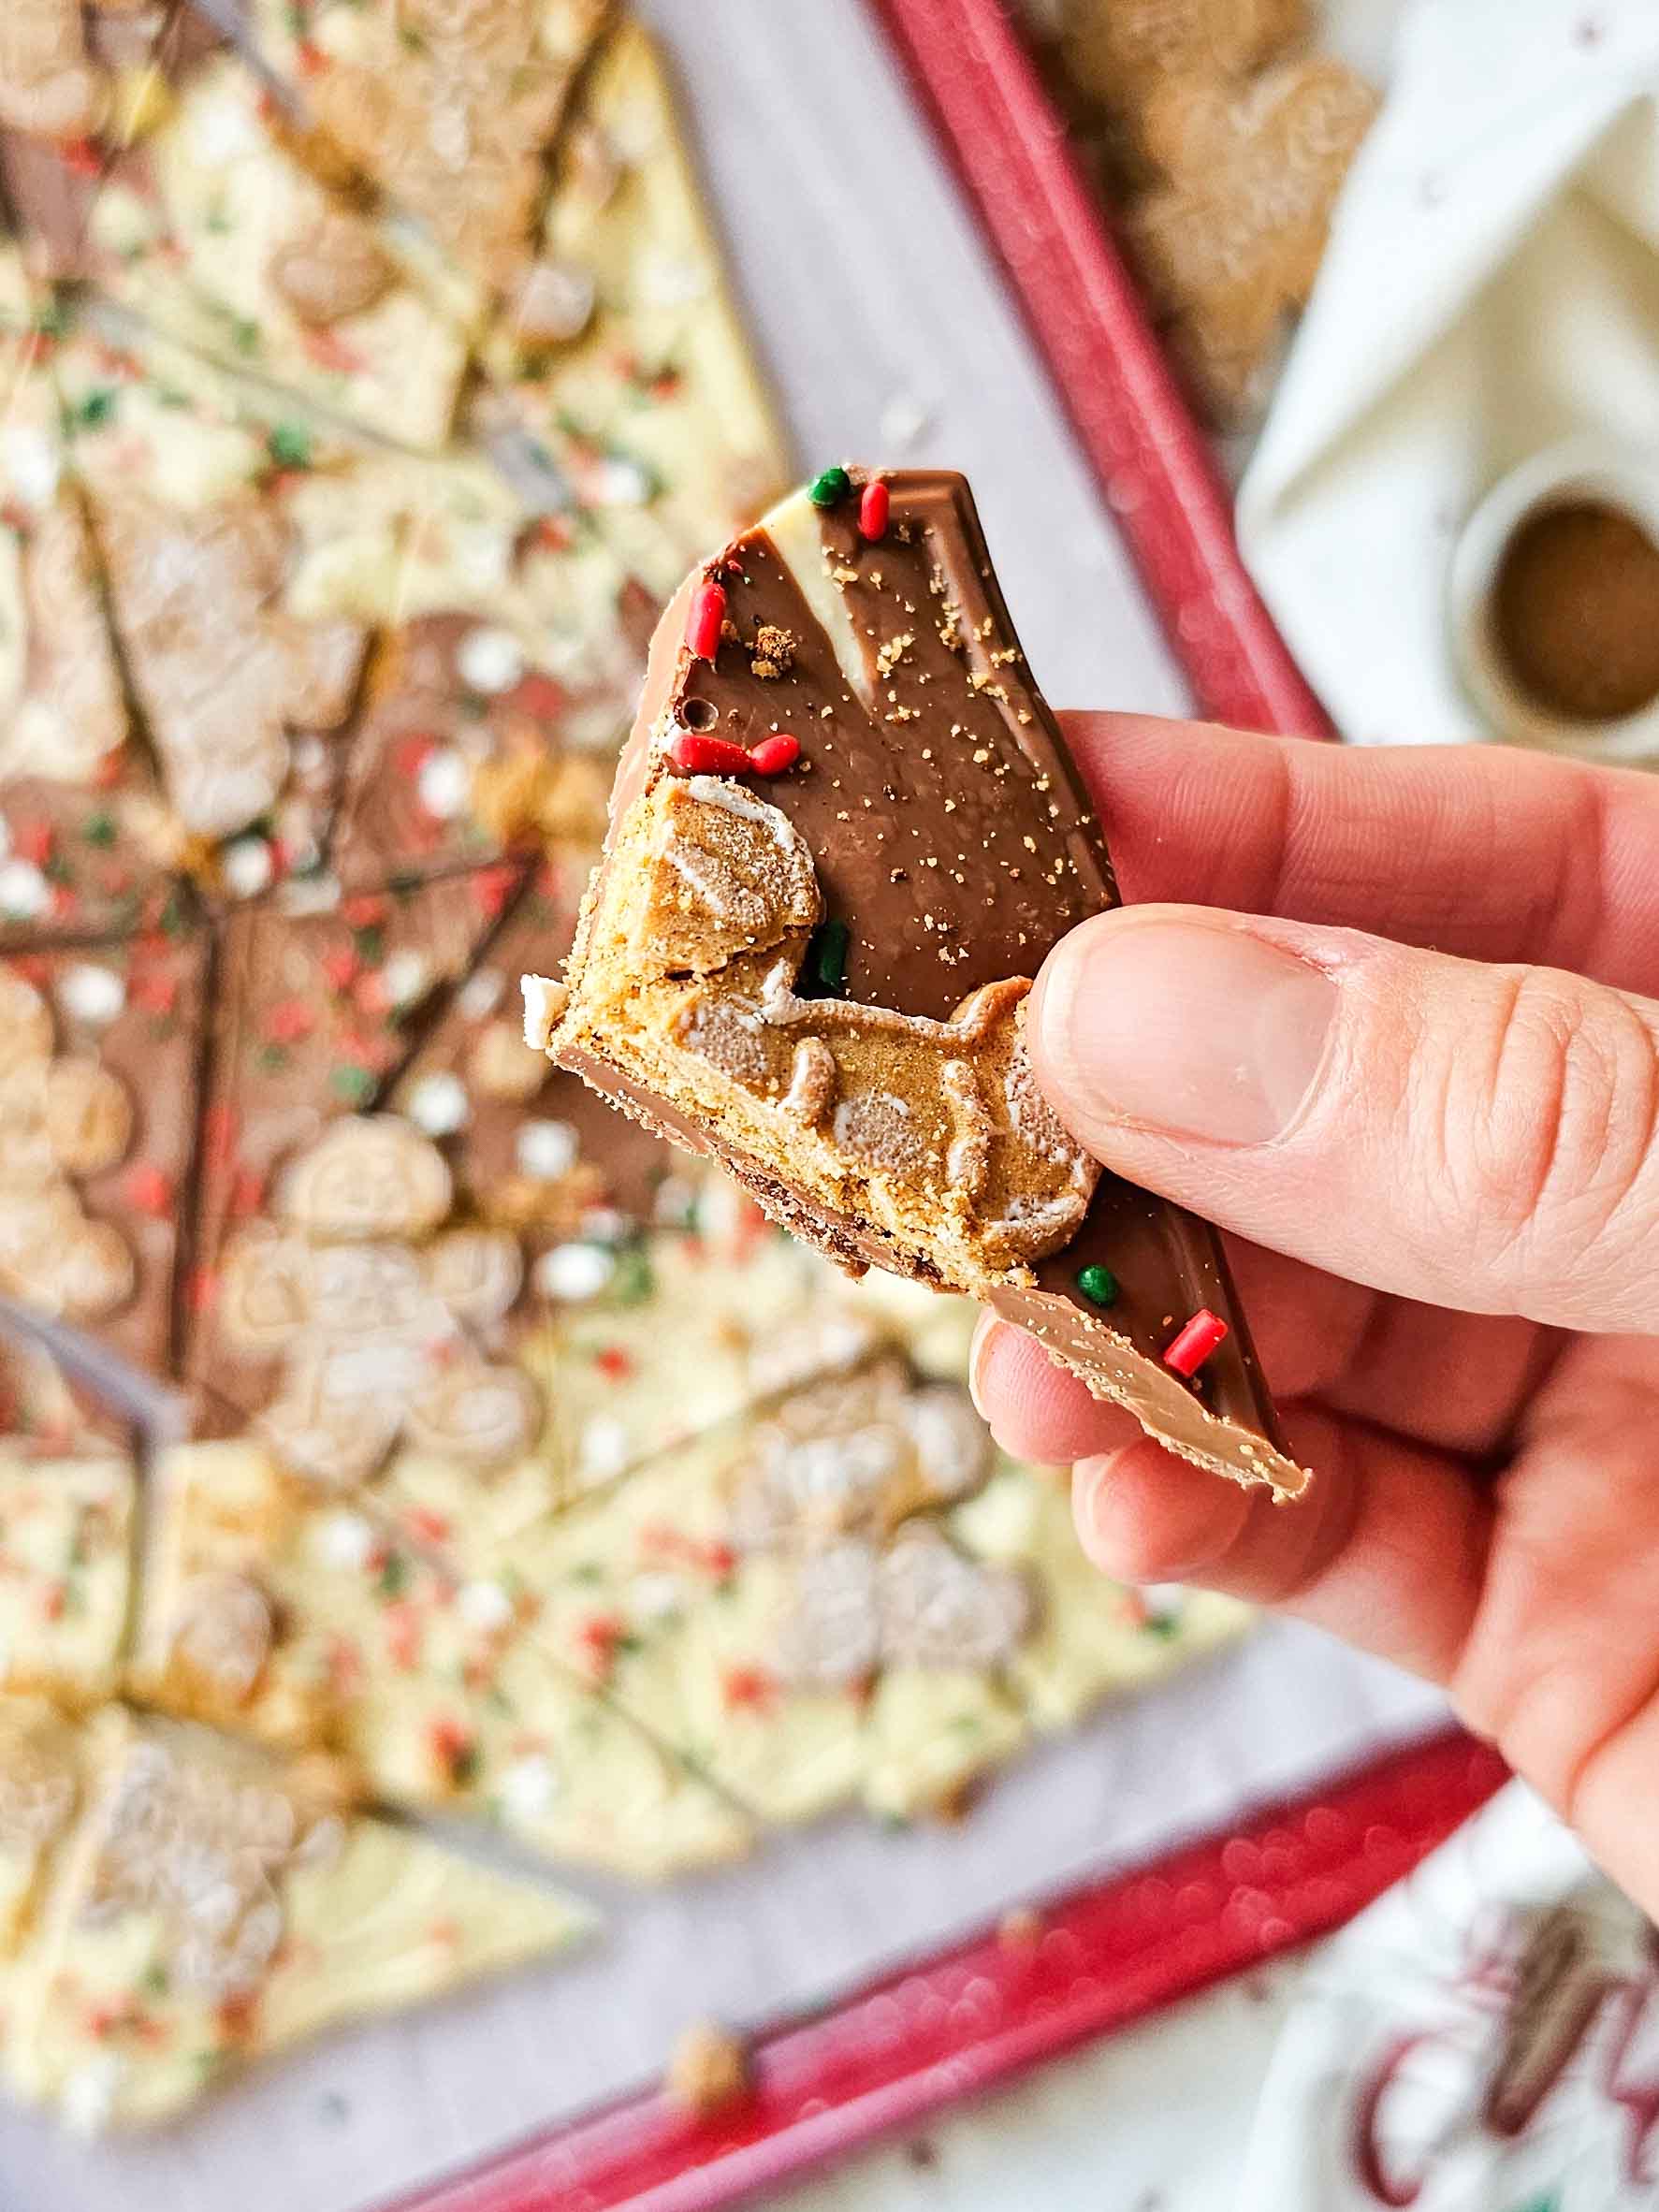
(773, 653)
(1019, 1928)
(708, 2069)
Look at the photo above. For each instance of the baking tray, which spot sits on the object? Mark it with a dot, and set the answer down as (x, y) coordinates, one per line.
(993, 327)
(1112, 1951)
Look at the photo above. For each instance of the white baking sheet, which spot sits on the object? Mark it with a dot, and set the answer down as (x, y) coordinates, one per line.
(888, 335)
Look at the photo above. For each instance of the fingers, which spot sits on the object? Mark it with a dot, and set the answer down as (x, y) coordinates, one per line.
(1387, 1549)
(1462, 1135)
(1037, 1409)
(1492, 855)
(1562, 1666)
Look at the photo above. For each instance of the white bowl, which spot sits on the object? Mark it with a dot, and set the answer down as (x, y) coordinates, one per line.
(1579, 470)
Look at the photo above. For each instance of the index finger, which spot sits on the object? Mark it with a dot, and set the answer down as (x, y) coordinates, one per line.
(1481, 850)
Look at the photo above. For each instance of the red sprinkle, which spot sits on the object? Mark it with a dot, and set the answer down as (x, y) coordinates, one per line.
(773, 755)
(707, 619)
(147, 1190)
(708, 756)
(873, 510)
(1196, 1342)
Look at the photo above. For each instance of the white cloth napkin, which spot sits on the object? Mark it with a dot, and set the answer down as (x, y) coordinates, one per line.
(1484, 2039)
(1492, 285)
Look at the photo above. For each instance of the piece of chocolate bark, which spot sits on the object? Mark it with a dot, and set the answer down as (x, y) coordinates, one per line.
(845, 832)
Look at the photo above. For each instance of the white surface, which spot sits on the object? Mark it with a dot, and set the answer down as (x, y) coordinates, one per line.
(1275, 2093)
(874, 299)
(1150, 2121)
(1492, 285)
(1436, 1993)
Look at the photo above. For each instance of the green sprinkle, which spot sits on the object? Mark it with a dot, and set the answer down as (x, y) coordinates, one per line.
(97, 407)
(100, 829)
(289, 444)
(355, 1086)
(631, 1278)
(827, 959)
(829, 489)
(1098, 1284)
(394, 1575)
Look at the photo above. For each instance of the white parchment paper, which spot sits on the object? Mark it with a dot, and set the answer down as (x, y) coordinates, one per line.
(885, 328)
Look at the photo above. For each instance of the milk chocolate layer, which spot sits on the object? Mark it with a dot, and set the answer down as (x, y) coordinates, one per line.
(954, 845)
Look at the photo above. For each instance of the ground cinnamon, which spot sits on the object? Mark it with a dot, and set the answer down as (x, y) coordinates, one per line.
(1576, 611)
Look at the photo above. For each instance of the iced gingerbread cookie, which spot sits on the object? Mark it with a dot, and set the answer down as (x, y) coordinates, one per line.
(244, 560)
(1115, 57)
(376, 1308)
(845, 832)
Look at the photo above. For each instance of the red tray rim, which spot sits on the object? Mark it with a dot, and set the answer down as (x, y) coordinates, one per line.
(973, 2015)
(1112, 1951)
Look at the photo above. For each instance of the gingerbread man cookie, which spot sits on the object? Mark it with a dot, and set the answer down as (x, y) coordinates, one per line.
(376, 1310)
(1232, 243)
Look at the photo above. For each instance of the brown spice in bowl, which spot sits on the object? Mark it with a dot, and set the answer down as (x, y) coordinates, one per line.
(1576, 611)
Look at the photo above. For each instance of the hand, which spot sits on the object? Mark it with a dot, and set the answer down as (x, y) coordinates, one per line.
(1447, 1162)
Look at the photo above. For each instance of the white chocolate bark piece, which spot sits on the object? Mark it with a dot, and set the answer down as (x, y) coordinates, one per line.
(771, 1600)
(82, 834)
(214, 231)
(214, 1908)
(66, 1567)
(244, 556)
(43, 1773)
(447, 110)
(1090, 1638)
(311, 1623)
(622, 355)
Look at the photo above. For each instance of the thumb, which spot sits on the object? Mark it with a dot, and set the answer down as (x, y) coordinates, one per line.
(1473, 1136)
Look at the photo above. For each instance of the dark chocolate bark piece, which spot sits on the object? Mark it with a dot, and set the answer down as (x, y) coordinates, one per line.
(845, 833)
(317, 1015)
(101, 1049)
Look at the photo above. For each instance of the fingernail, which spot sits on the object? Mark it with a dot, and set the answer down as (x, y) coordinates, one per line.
(1194, 1028)
(984, 1329)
